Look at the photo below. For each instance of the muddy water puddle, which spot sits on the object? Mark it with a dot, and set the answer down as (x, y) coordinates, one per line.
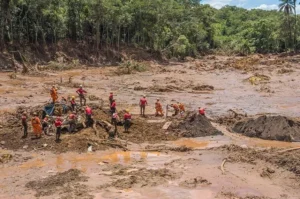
(84, 162)
(203, 143)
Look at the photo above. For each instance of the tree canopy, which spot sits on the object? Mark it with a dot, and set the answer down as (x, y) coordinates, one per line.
(173, 27)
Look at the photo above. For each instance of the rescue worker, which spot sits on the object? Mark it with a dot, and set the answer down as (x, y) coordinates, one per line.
(113, 107)
(113, 130)
(58, 123)
(36, 125)
(81, 93)
(181, 108)
(24, 124)
(127, 120)
(73, 103)
(143, 104)
(53, 93)
(176, 109)
(115, 119)
(63, 102)
(158, 108)
(201, 111)
(88, 113)
(46, 125)
(72, 122)
(111, 98)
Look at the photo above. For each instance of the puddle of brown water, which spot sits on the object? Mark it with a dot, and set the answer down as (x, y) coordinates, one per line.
(127, 156)
(38, 163)
(191, 143)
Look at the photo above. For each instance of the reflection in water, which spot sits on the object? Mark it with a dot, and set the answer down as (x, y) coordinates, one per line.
(63, 162)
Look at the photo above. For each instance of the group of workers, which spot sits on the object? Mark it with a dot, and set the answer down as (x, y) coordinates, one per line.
(40, 127)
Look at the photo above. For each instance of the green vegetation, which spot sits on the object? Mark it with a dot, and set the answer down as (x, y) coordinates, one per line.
(175, 28)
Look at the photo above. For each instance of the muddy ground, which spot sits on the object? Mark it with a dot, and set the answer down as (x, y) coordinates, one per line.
(227, 154)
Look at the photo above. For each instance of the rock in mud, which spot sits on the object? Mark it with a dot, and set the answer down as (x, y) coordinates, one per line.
(267, 172)
(197, 126)
(270, 128)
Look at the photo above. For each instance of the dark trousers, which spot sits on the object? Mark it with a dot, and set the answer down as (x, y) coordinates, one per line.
(89, 121)
(73, 107)
(143, 107)
(58, 132)
(72, 126)
(81, 96)
(45, 128)
(112, 110)
(127, 124)
(25, 128)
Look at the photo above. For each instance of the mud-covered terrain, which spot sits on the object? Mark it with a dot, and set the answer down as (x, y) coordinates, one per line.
(245, 147)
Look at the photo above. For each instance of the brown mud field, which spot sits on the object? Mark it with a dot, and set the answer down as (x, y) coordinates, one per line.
(244, 148)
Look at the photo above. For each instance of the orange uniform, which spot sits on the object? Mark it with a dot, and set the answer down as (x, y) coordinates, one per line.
(36, 125)
(158, 108)
(54, 95)
(181, 107)
(176, 108)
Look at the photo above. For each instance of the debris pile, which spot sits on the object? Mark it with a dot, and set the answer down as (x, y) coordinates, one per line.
(270, 128)
(197, 126)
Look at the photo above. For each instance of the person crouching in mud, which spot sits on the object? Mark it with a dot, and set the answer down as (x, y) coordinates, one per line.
(127, 121)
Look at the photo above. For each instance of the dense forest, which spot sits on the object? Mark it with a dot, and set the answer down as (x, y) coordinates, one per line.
(171, 27)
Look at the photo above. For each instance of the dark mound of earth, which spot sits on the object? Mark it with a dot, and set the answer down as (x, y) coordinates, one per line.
(270, 128)
(197, 126)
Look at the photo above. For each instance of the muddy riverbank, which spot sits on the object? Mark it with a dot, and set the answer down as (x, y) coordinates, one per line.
(193, 158)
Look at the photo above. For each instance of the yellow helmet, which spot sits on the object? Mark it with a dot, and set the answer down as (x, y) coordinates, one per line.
(127, 110)
(73, 97)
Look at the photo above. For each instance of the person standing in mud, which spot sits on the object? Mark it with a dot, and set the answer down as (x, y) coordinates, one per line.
(53, 93)
(72, 122)
(46, 125)
(88, 114)
(143, 104)
(81, 93)
(127, 121)
(36, 126)
(24, 124)
(113, 106)
(58, 123)
(73, 103)
(115, 119)
(111, 98)
(158, 108)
